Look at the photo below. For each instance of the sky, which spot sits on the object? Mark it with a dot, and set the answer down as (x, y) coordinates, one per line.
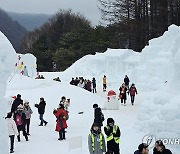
(88, 8)
(154, 113)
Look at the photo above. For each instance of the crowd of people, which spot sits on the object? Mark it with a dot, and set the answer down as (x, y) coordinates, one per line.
(96, 140)
(97, 143)
(159, 148)
(85, 83)
(19, 118)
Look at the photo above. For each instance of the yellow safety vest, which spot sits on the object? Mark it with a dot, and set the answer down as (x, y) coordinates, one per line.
(110, 137)
(100, 138)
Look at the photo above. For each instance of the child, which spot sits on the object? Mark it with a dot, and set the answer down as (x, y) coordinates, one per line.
(132, 92)
(20, 119)
(28, 112)
(12, 129)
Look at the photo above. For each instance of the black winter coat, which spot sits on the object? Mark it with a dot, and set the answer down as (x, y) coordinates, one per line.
(112, 144)
(124, 95)
(98, 116)
(15, 104)
(94, 83)
(126, 81)
(137, 152)
(41, 107)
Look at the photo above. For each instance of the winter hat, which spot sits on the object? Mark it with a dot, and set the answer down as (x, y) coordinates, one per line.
(142, 146)
(95, 106)
(25, 101)
(110, 120)
(18, 96)
(20, 107)
(42, 98)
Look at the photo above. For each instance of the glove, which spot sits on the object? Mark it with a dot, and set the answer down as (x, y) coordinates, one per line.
(111, 129)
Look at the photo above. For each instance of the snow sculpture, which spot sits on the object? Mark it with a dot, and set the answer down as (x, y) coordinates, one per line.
(111, 103)
(7, 61)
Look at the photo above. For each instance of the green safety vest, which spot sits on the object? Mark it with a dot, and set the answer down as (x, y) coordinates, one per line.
(100, 138)
(110, 137)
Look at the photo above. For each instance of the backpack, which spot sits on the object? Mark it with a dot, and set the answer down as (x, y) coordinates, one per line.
(18, 120)
(67, 115)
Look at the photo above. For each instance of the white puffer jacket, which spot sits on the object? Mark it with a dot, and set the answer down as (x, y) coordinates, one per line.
(12, 128)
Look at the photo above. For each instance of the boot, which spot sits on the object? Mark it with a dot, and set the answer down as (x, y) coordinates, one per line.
(11, 151)
(60, 136)
(26, 138)
(45, 123)
(63, 135)
(18, 137)
(41, 124)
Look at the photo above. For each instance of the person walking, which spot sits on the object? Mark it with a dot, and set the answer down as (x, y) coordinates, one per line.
(20, 119)
(28, 111)
(160, 148)
(113, 136)
(16, 103)
(41, 110)
(96, 140)
(126, 81)
(61, 124)
(94, 85)
(142, 149)
(132, 92)
(12, 130)
(122, 94)
(104, 83)
(98, 115)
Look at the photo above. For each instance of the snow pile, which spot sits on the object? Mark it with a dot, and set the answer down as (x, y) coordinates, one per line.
(155, 70)
(156, 74)
(154, 62)
(160, 114)
(7, 59)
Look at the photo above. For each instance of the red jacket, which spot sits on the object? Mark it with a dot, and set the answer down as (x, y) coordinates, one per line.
(61, 119)
(133, 91)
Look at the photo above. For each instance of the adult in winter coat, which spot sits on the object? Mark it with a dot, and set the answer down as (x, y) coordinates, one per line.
(41, 110)
(104, 83)
(160, 148)
(142, 149)
(126, 81)
(88, 85)
(20, 119)
(98, 115)
(12, 130)
(16, 103)
(28, 111)
(72, 82)
(96, 140)
(61, 124)
(122, 94)
(113, 136)
(132, 92)
(94, 85)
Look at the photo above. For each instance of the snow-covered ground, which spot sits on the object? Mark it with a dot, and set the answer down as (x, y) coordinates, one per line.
(156, 74)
